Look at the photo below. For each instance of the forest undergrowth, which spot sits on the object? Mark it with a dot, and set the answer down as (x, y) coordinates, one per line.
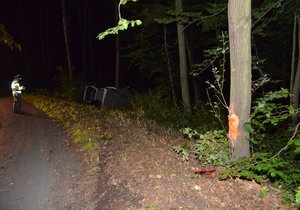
(275, 148)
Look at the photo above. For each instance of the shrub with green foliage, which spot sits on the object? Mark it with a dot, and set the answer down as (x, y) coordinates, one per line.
(155, 106)
(69, 90)
(282, 169)
(285, 174)
(269, 114)
(298, 196)
(268, 111)
(211, 148)
(184, 150)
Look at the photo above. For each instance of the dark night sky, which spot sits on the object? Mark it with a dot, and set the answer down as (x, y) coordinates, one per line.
(37, 26)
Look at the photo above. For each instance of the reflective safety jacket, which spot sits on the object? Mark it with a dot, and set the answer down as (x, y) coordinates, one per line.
(16, 87)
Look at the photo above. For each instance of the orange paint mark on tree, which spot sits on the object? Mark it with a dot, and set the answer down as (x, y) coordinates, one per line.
(234, 122)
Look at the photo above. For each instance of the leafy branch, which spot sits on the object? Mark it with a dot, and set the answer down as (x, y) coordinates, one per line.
(292, 141)
(267, 111)
(265, 10)
(185, 17)
(123, 23)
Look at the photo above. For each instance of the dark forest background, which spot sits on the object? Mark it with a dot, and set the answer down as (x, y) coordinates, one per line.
(37, 26)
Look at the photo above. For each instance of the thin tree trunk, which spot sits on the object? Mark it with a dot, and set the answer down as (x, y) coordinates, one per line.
(82, 17)
(42, 40)
(239, 18)
(25, 42)
(182, 62)
(169, 66)
(117, 77)
(44, 44)
(296, 79)
(65, 26)
(293, 56)
(91, 66)
(195, 80)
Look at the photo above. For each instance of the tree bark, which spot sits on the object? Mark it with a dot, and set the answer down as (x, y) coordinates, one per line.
(239, 18)
(182, 62)
(169, 67)
(293, 62)
(44, 42)
(25, 42)
(68, 54)
(91, 62)
(82, 19)
(117, 77)
(195, 80)
(295, 74)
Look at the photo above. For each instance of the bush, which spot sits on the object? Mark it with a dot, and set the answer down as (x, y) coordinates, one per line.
(284, 174)
(211, 148)
(271, 160)
(155, 106)
(69, 90)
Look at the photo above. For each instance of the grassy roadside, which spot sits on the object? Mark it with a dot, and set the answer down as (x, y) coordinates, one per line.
(87, 125)
(127, 137)
(84, 124)
(91, 128)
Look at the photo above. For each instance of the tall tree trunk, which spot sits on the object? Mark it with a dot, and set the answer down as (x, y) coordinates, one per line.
(182, 62)
(195, 80)
(239, 18)
(293, 62)
(65, 26)
(44, 44)
(117, 77)
(82, 17)
(295, 69)
(91, 63)
(25, 41)
(169, 66)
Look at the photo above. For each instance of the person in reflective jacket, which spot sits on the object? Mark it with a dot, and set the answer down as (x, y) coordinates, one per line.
(16, 92)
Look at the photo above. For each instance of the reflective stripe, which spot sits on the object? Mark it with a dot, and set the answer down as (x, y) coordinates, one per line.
(16, 88)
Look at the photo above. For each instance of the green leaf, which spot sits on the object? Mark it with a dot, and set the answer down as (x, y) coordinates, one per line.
(298, 196)
(297, 150)
(138, 22)
(295, 142)
(263, 192)
(247, 127)
(184, 150)
(123, 2)
(247, 174)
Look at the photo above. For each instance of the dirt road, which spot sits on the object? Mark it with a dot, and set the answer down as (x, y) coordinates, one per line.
(39, 169)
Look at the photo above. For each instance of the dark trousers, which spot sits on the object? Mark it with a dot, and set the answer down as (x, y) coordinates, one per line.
(17, 103)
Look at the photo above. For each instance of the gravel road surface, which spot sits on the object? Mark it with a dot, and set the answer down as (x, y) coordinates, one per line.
(39, 169)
